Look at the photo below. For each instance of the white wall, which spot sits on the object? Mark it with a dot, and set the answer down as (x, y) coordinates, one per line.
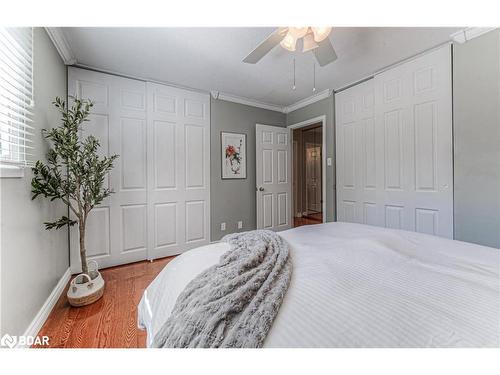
(32, 259)
(476, 110)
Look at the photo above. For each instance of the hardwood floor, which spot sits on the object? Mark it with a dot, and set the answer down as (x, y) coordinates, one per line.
(308, 220)
(110, 322)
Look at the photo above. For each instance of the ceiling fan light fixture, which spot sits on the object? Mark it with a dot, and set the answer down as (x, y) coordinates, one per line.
(321, 33)
(298, 32)
(289, 42)
(309, 43)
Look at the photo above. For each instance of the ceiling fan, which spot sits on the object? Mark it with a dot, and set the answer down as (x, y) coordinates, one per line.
(314, 39)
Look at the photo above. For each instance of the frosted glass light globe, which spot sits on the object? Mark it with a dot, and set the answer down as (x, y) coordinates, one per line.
(298, 32)
(289, 42)
(321, 33)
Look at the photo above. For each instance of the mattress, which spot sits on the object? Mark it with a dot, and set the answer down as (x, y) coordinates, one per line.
(361, 286)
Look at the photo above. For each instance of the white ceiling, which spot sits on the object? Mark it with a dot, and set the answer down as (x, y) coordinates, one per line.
(211, 58)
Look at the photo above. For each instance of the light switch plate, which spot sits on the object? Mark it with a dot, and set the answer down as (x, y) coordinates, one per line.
(240, 224)
(222, 226)
(329, 162)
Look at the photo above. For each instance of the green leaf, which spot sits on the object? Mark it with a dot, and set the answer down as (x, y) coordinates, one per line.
(73, 170)
(58, 224)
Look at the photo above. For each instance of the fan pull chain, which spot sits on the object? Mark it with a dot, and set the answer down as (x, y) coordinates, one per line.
(293, 87)
(314, 76)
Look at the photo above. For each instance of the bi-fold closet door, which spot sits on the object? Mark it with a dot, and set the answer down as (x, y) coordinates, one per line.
(161, 204)
(394, 147)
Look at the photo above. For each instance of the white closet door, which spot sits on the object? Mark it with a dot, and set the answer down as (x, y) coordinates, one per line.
(161, 179)
(356, 161)
(411, 168)
(414, 121)
(117, 229)
(179, 171)
(273, 177)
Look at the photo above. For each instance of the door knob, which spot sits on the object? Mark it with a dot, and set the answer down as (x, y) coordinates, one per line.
(261, 188)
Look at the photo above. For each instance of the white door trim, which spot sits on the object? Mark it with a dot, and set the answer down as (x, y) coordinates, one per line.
(305, 123)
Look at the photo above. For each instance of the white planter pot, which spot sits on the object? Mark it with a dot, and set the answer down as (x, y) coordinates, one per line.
(85, 289)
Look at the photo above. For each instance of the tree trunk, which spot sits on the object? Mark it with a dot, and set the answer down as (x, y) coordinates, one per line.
(83, 255)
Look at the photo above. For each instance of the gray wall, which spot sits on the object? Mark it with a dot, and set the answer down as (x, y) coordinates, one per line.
(234, 200)
(33, 259)
(322, 107)
(476, 103)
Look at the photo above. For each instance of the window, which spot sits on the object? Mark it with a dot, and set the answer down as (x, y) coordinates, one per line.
(16, 96)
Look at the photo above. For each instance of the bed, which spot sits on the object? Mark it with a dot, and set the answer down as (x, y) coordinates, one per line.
(362, 286)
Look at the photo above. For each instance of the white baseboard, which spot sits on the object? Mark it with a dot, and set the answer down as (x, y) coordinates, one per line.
(47, 307)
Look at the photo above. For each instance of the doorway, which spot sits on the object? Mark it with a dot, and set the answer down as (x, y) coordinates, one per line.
(307, 165)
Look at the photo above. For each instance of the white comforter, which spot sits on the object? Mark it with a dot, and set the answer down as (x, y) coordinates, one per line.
(361, 286)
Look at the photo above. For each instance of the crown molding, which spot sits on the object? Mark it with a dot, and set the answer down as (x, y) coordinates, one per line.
(469, 33)
(61, 44)
(305, 102)
(272, 107)
(246, 101)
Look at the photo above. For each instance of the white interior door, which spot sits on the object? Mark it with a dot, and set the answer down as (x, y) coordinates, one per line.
(179, 170)
(313, 178)
(394, 147)
(161, 179)
(273, 177)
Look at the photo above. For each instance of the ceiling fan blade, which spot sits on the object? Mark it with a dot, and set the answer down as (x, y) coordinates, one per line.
(324, 53)
(267, 45)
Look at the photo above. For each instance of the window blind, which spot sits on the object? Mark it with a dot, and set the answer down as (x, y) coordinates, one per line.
(16, 95)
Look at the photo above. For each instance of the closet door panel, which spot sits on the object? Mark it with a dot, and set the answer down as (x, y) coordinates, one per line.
(178, 174)
(133, 154)
(394, 147)
(128, 178)
(418, 150)
(161, 185)
(117, 228)
(164, 154)
(356, 145)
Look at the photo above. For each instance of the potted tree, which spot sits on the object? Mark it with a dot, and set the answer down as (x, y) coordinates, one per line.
(74, 173)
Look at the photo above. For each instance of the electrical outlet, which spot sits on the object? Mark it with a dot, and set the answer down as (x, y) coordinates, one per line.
(329, 162)
(222, 226)
(240, 224)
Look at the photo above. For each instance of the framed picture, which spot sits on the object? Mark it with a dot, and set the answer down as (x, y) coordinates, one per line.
(234, 155)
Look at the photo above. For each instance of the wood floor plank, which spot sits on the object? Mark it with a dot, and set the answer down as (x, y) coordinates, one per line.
(110, 322)
(105, 327)
(308, 220)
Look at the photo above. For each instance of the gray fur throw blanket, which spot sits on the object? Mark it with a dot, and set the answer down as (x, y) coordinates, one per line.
(233, 303)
